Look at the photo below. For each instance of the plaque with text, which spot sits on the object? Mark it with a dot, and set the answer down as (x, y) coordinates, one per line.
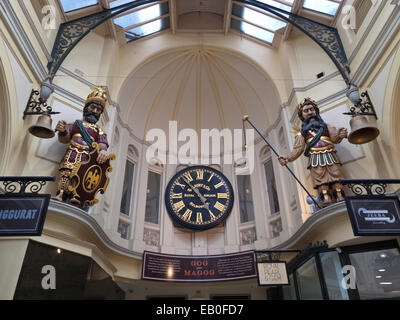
(198, 268)
(374, 215)
(272, 273)
(23, 215)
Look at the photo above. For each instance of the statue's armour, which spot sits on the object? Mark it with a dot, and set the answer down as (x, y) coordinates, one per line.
(78, 150)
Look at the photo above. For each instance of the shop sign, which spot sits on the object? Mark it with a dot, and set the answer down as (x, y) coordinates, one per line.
(23, 215)
(374, 215)
(198, 268)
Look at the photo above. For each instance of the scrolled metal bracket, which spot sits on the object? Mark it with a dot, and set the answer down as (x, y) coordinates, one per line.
(364, 107)
(326, 37)
(72, 32)
(36, 106)
(23, 185)
(370, 187)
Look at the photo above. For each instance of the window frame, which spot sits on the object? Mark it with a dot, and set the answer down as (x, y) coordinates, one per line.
(266, 156)
(155, 170)
(132, 156)
(344, 258)
(134, 163)
(248, 222)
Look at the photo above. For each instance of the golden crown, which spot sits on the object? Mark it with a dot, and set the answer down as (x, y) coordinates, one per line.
(99, 95)
(305, 102)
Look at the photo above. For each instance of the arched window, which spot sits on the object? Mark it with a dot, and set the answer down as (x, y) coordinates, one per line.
(274, 220)
(124, 224)
(153, 194)
(153, 197)
(247, 227)
(245, 198)
(127, 190)
(270, 180)
(151, 231)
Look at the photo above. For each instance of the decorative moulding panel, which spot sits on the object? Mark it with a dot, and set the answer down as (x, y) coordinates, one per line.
(151, 237)
(248, 236)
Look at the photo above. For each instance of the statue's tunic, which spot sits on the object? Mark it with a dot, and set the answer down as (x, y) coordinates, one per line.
(78, 150)
(323, 162)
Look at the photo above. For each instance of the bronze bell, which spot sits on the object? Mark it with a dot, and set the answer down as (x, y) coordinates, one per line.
(361, 131)
(42, 128)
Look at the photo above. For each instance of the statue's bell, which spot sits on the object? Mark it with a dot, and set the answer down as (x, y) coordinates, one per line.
(42, 128)
(361, 131)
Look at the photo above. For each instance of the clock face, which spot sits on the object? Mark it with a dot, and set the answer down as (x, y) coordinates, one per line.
(199, 197)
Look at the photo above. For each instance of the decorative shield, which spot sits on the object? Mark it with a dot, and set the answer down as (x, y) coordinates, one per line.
(90, 178)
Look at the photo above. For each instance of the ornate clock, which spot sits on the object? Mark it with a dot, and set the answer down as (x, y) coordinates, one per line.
(199, 197)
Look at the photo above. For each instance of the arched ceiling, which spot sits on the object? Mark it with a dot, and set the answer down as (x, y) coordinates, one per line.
(200, 88)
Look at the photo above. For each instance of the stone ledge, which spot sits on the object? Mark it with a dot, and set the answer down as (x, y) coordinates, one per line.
(74, 213)
(317, 218)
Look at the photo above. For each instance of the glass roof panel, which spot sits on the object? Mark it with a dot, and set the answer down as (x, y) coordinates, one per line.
(143, 15)
(147, 29)
(258, 18)
(117, 3)
(71, 5)
(323, 6)
(278, 4)
(253, 31)
(257, 24)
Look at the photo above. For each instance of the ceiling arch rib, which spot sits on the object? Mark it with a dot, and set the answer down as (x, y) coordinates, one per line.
(150, 78)
(162, 90)
(201, 88)
(215, 92)
(198, 93)
(182, 86)
(232, 87)
(252, 84)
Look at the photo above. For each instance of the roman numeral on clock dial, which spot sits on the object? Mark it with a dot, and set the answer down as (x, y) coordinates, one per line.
(199, 218)
(200, 174)
(219, 185)
(219, 206)
(187, 215)
(178, 206)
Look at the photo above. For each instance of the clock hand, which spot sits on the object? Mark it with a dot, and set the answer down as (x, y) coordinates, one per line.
(202, 198)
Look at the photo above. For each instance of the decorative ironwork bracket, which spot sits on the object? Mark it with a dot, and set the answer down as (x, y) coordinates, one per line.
(326, 37)
(72, 32)
(369, 187)
(37, 106)
(363, 108)
(24, 185)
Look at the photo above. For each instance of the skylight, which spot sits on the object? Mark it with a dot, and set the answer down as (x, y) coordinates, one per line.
(71, 5)
(278, 4)
(118, 3)
(323, 6)
(257, 23)
(141, 16)
(147, 29)
(142, 21)
(262, 19)
(253, 31)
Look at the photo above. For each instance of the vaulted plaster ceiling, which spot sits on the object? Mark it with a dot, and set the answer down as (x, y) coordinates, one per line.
(200, 88)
